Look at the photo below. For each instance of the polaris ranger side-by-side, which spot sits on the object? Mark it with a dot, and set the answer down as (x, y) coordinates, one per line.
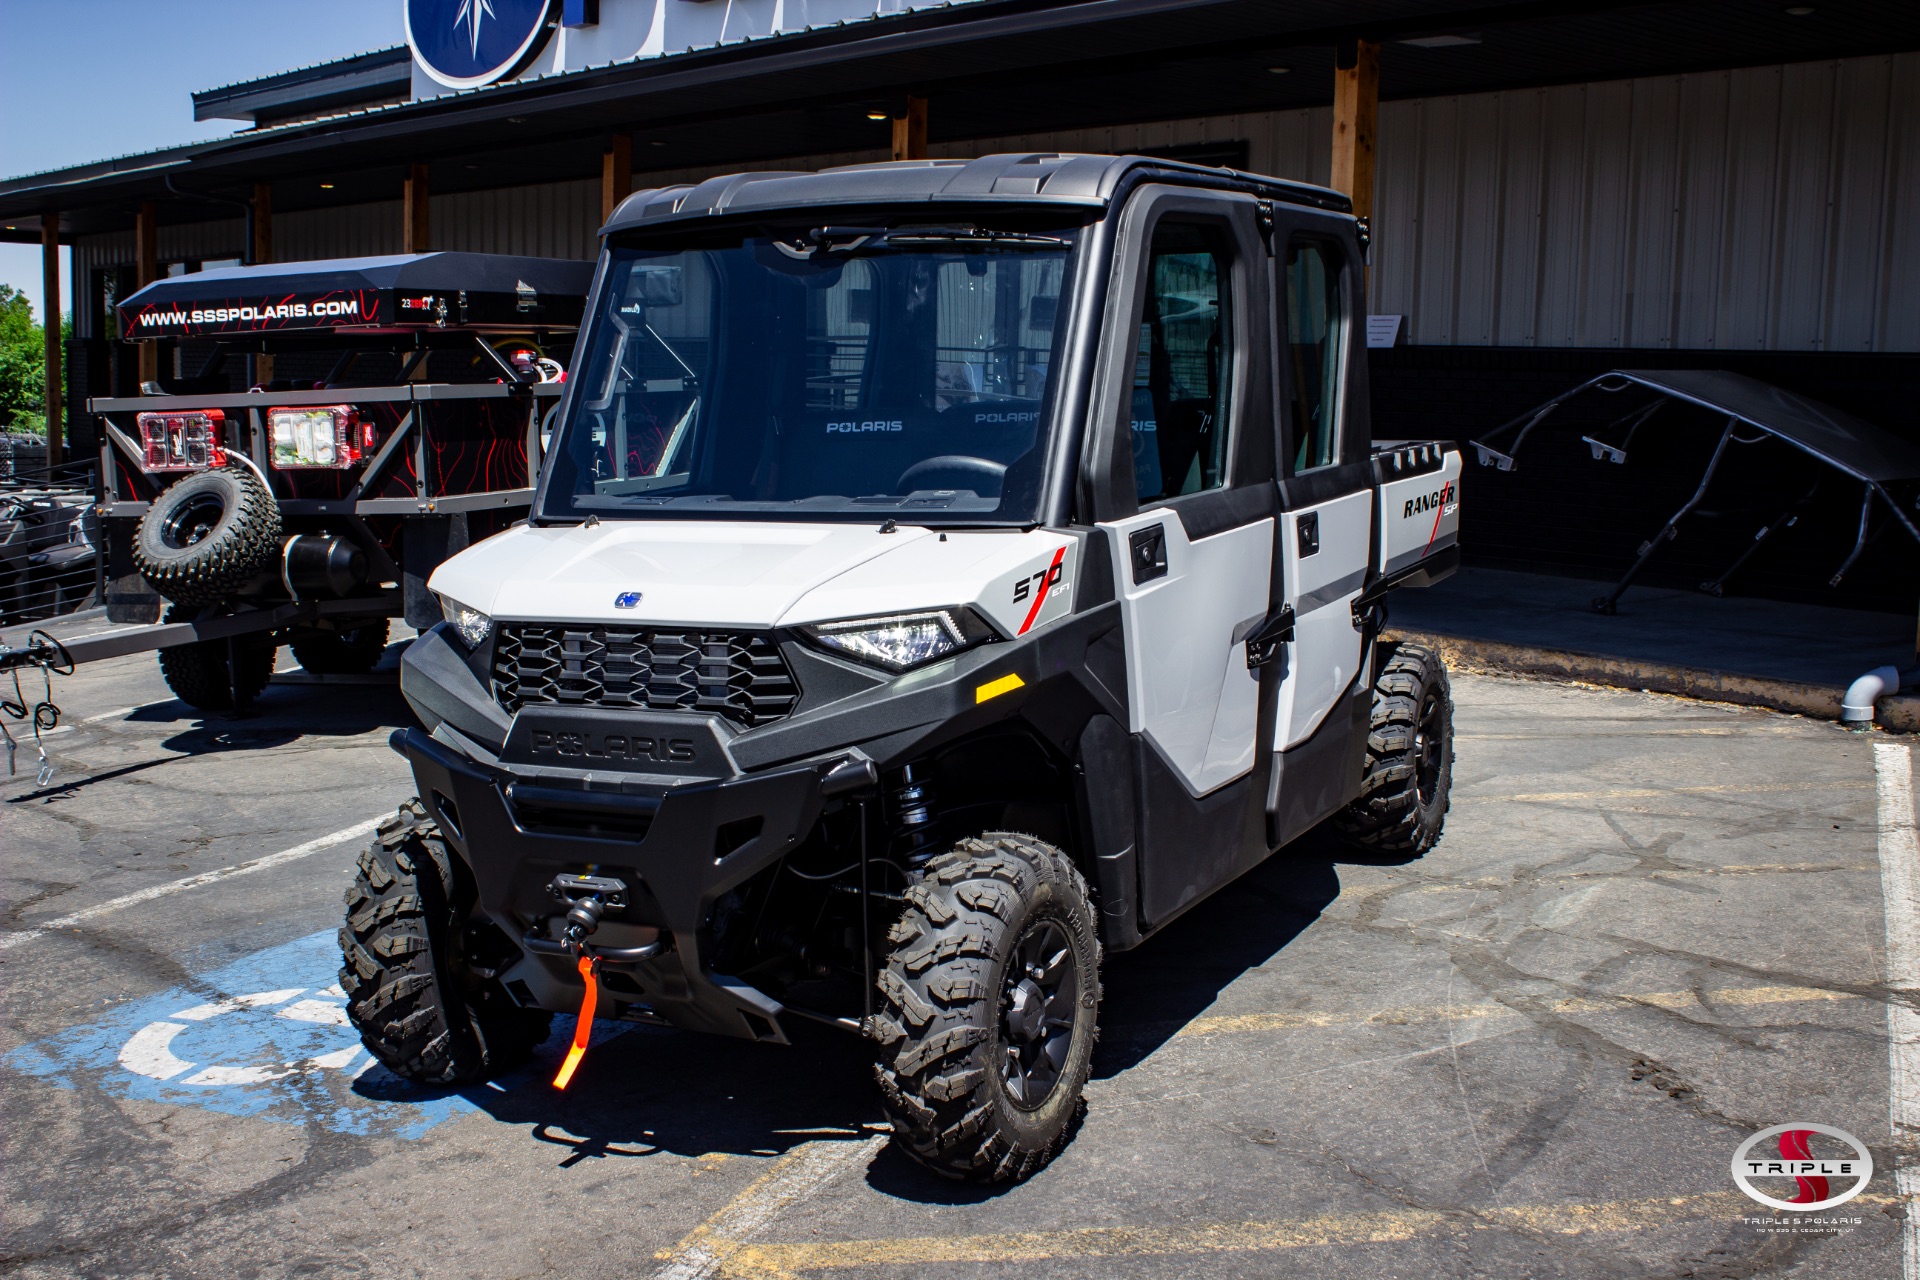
(943, 572)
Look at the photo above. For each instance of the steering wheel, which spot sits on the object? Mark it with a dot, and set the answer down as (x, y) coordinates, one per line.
(954, 471)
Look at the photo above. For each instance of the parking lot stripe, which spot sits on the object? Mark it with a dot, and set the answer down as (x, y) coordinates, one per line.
(1900, 889)
(1643, 793)
(298, 851)
(1387, 1226)
(1293, 1020)
(709, 1248)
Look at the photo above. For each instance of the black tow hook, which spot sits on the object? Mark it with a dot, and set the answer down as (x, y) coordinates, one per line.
(588, 899)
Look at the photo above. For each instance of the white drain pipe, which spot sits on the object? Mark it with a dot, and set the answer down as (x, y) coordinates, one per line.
(1856, 708)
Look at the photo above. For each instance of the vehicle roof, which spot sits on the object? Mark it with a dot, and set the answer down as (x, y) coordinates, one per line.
(1036, 178)
(416, 272)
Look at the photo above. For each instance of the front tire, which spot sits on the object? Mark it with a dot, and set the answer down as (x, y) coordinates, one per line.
(419, 1005)
(1409, 779)
(988, 1008)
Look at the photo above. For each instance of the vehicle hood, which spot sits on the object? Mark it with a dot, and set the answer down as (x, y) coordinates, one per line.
(754, 575)
(731, 573)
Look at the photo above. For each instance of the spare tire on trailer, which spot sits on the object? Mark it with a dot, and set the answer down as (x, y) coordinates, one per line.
(208, 535)
(200, 675)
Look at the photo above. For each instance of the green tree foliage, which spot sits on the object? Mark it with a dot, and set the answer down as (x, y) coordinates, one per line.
(23, 364)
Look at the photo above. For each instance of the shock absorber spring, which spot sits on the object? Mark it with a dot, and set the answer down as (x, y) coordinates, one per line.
(910, 811)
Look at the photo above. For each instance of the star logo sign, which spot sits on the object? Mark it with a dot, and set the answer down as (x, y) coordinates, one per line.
(470, 13)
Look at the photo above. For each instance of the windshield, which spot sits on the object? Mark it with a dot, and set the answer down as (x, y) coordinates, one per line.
(825, 373)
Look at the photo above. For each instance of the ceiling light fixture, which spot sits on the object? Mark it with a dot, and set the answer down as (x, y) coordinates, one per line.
(1441, 42)
(1801, 10)
(1279, 71)
(877, 115)
(326, 186)
(658, 142)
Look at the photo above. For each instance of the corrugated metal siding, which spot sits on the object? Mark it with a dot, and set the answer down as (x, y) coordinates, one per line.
(557, 220)
(1751, 209)
(350, 231)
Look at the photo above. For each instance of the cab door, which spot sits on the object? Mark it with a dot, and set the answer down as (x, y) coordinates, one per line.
(1326, 486)
(1185, 378)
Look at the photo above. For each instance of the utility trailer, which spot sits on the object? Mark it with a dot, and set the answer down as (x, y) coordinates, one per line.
(347, 426)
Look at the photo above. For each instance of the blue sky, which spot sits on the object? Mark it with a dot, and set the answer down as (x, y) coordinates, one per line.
(83, 80)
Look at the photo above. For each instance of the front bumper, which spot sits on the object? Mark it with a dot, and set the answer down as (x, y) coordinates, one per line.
(683, 847)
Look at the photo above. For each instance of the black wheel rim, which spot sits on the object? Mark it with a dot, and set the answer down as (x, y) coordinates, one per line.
(197, 517)
(1039, 1006)
(1429, 748)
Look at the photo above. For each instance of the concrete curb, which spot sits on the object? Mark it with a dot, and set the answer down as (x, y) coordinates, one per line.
(1899, 713)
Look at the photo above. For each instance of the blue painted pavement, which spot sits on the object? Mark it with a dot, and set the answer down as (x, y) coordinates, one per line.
(267, 1037)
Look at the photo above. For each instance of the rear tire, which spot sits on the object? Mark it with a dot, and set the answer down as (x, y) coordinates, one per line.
(207, 536)
(1409, 780)
(419, 1006)
(198, 673)
(988, 1009)
(353, 651)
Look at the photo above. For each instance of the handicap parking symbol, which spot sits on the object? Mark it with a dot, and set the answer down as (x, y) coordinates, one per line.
(267, 1037)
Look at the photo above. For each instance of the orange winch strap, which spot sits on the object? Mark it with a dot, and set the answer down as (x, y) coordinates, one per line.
(582, 1028)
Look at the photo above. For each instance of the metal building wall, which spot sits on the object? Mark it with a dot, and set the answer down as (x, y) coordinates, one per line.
(1769, 208)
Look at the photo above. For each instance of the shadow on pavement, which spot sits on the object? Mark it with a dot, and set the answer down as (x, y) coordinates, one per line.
(281, 715)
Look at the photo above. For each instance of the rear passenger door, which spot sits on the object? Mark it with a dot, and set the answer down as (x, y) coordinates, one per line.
(1326, 485)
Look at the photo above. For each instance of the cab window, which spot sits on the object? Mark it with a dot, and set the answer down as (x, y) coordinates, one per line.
(1315, 325)
(1182, 370)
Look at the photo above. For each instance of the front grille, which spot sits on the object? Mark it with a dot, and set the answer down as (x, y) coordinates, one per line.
(736, 674)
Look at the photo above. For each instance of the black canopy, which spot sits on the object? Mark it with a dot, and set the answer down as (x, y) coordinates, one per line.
(1872, 455)
(400, 291)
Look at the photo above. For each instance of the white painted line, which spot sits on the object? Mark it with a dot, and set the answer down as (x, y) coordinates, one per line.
(1900, 890)
(798, 1174)
(298, 851)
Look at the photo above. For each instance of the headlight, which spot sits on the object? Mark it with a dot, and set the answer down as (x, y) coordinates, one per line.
(469, 624)
(904, 640)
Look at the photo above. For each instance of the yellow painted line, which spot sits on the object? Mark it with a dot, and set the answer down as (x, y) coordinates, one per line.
(1644, 793)
(1387, 1226)
(1297, 1020)
(707, 1249)
(994, 688)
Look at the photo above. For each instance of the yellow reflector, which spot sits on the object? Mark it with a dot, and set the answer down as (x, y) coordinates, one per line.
(994, 688)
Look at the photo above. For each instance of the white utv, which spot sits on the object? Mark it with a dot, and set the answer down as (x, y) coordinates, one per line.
(942, 572)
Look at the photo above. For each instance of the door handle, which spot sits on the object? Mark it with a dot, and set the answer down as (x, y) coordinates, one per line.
(1263, 646)
(1147, 549)
(1306, 531)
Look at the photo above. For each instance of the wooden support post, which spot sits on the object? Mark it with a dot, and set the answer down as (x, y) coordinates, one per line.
(261, 369)
(414, 233)
(50, 312)
(1356, 108)
(910, 131)
(616, 174)
(146, 236)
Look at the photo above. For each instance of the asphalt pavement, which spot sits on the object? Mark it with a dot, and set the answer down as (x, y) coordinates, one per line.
(1653, 929)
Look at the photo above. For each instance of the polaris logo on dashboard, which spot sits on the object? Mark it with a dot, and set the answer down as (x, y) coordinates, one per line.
(562, 744)
(1006, 418)
(848, 428)
(1429, 501)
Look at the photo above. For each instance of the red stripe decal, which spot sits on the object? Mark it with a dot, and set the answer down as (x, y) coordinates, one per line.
(1041, 599)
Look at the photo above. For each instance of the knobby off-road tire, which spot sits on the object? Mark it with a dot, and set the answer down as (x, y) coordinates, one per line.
(988, 1006)
(418, 1006)
(351, 652)
(207, 536)
(198, 673)
(1403, 801)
